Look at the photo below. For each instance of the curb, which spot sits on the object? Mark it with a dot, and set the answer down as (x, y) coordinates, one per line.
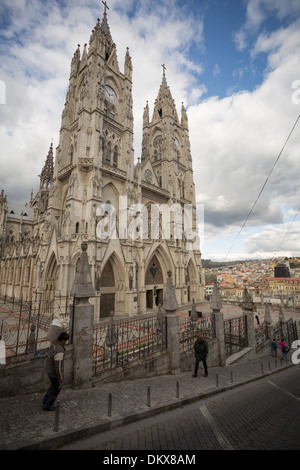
(102, 425)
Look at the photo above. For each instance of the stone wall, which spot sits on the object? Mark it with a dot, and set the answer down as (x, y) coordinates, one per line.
(187, 360)
(28, 375)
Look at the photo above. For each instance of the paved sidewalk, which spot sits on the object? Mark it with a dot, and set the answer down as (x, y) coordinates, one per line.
(86, 412)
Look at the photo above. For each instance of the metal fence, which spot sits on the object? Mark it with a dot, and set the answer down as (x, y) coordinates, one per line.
(235, 330)
(24, 324)
(292, 333)
(260, 334)
(121, 342)
(189, 330)
(291, 329)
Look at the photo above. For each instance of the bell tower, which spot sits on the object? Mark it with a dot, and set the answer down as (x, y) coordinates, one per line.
(96, 134)
(166, 152)
(166, 144)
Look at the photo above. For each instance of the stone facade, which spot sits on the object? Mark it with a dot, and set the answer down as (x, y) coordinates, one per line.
(94, 171)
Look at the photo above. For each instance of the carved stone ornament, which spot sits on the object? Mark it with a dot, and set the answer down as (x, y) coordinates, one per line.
(148, 175)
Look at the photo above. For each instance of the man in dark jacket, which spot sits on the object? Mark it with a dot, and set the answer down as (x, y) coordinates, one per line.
(55, 371)
(201, 351)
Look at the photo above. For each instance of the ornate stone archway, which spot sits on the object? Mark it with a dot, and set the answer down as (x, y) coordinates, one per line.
(190, 281)
(157, 267)
(112, 287)
(107, 302)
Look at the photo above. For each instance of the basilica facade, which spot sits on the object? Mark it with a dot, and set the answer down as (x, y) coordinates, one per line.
(93, 191)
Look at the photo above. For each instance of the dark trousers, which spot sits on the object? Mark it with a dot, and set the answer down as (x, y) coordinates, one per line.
(197, 366)
(52, 393)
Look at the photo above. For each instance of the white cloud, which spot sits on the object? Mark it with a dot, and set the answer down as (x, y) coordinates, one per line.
(217, 70)
(272, 240)
(241, 137)
(257, 12)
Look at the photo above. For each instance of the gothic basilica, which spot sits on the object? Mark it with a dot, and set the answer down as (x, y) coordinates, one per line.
(93, 171)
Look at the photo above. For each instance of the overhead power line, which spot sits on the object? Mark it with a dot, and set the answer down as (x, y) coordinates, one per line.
(284, 236)
(263, 187)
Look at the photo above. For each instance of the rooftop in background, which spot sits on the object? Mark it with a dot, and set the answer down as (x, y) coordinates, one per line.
(16, 210)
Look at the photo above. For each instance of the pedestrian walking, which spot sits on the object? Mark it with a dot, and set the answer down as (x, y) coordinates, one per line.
(201, 351)
(284, 349)
(274, 348)
(55, 370)
(257, 318)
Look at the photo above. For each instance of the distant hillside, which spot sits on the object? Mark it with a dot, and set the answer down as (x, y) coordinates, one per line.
(207, 263)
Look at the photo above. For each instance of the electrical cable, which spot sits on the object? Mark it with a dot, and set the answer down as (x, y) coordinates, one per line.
(263, 187)
(284, 237)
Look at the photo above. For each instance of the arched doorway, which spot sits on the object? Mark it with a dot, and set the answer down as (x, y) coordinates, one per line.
(190, 281)
(113, 283)
(107, 302)
(154, 283)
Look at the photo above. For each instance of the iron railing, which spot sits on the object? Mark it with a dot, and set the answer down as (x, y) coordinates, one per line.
(189, 330)
(235, 331)
(121, 342)
(260, 334)
(24, 324)
(292, 333)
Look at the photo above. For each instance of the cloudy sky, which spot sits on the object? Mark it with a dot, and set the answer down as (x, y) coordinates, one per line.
(235, 64)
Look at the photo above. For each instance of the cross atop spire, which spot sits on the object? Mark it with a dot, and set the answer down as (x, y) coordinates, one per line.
(164, 85)
(105, 6)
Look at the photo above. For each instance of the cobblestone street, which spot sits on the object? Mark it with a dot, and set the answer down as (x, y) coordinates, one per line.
(260, 415)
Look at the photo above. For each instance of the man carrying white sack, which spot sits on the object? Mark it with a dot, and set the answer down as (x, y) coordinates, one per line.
(55, 370)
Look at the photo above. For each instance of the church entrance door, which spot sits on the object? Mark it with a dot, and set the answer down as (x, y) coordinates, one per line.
(159, 297)
(107, 304)
(154, 283)
(107, 289)
(149, 299)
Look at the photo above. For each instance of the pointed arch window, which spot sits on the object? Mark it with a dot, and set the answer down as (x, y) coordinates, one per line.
(103, 151)
(71, 154)
(115, 157)
(107, 154)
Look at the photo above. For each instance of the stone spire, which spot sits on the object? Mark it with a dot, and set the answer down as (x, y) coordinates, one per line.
(247, 303)
(104, 25)
(75, 62)
(184, 118)
(47, 172)
(106, 31)
(164, 103)
(268, 317)
(83, 61)
(101, 40)
(170, 303)
(83, 286)
(128, 65)
(216, 303)
(194, 314)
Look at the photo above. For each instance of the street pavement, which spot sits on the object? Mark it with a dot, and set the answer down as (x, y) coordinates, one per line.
(82, 413)
(260, 415)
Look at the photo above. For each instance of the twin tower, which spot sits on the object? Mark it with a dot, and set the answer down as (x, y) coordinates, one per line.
(94, 168)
